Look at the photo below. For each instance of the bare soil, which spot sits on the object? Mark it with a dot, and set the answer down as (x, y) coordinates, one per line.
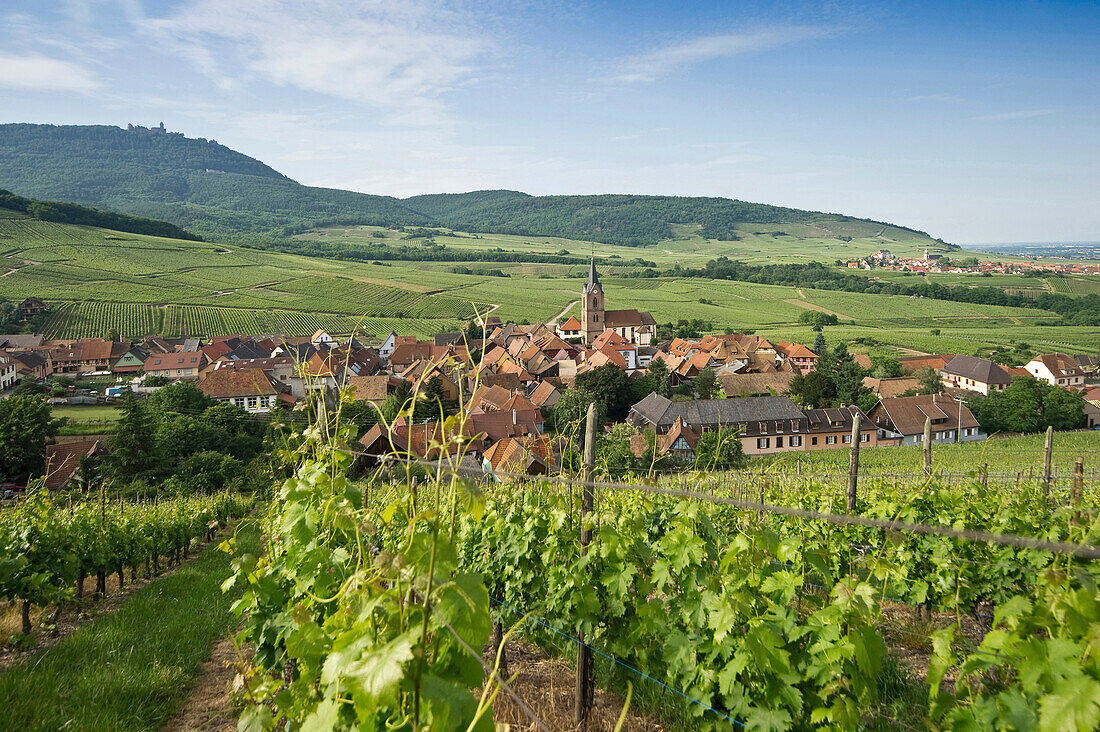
(546, 686)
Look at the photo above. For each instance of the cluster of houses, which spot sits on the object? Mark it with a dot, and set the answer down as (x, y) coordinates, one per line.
(885, 259)
(508, 381)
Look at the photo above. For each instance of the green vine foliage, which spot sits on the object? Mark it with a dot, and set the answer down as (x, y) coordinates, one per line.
(1038, 668)
(359, 610)
(46, 545)
(661, 591)
(374, 599)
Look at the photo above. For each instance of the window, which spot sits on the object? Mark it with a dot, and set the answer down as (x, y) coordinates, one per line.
(252, 402)
(156, 362)
(813, 440)
(847, 439)
(762, 442)
(179, 372)
(830, 439)
(595, 303)
(864, 438)
(779, 442)
(794, 441)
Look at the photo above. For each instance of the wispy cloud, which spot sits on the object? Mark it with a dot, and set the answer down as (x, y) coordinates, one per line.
(660, 62)
(399, 56)
(34, 71)
(1018, 114)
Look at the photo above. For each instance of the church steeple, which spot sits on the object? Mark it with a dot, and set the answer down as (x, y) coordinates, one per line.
(592, 307)
(593, 278)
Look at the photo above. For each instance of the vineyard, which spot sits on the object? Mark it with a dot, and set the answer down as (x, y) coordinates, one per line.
(48, 548)
(376, 597)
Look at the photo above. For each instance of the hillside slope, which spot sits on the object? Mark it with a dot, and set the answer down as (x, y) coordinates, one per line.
(194, 183)
(629, 220)
(219, 193)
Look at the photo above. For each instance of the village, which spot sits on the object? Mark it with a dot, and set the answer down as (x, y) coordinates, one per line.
(938, 263)
(508, 379)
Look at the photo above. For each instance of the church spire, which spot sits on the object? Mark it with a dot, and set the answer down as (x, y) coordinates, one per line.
(593, 278)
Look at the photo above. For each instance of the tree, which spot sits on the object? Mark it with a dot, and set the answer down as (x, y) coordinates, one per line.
(817, 320)
(658, 370)
(706, 383)
(814, 390)
(435, 399)
(571, 409)
(1028, 405)
(819, 343)
(886, 367)
(182, 398)
(611, 388)
(613, 454)
(26, 427)
(133, 446)
(719, 449)
(929, 381)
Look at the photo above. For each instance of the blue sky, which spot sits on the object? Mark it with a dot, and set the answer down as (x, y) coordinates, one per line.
(976, 122)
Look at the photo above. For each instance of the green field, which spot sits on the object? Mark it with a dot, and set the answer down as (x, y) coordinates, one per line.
(100, 283)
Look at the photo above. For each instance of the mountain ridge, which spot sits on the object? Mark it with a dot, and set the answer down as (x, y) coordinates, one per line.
(217, 192)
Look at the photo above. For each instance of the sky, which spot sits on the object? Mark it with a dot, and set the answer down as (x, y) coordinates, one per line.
(976, 122)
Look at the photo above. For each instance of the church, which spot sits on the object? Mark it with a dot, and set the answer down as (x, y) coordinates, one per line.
(638, 328)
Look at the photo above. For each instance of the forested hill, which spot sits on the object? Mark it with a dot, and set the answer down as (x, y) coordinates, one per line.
(623, 219)
(219, 193)
(60, 212)
(197, 184)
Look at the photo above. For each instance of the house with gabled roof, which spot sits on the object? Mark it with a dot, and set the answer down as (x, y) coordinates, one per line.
(679, 442)
(184, 365)
(522, 455)
(570, 329)
(63, 460)
(975, 374)
(1057, 369)
(802, 359)
(902, 419)
(253, 390)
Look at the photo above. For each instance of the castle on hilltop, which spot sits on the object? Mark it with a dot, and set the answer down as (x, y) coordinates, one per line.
(636, 327)
(158, 130)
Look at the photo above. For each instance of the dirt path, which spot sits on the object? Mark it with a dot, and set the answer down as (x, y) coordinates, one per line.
(564, 311)
(209, 707)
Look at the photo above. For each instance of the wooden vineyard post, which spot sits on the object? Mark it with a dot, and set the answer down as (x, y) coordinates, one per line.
(1048, 453)
(983, 477)
(583, 694)
(853, 464)
(928, 447)
(1078, 480)
(412, 491)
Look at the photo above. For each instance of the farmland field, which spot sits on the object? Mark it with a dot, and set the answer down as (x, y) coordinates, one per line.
(101, 283)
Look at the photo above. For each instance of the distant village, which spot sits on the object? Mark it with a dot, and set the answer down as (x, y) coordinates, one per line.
(509, 378)
(937, 263)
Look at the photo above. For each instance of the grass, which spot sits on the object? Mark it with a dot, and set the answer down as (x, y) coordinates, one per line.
(128, 670)
(96, 413)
